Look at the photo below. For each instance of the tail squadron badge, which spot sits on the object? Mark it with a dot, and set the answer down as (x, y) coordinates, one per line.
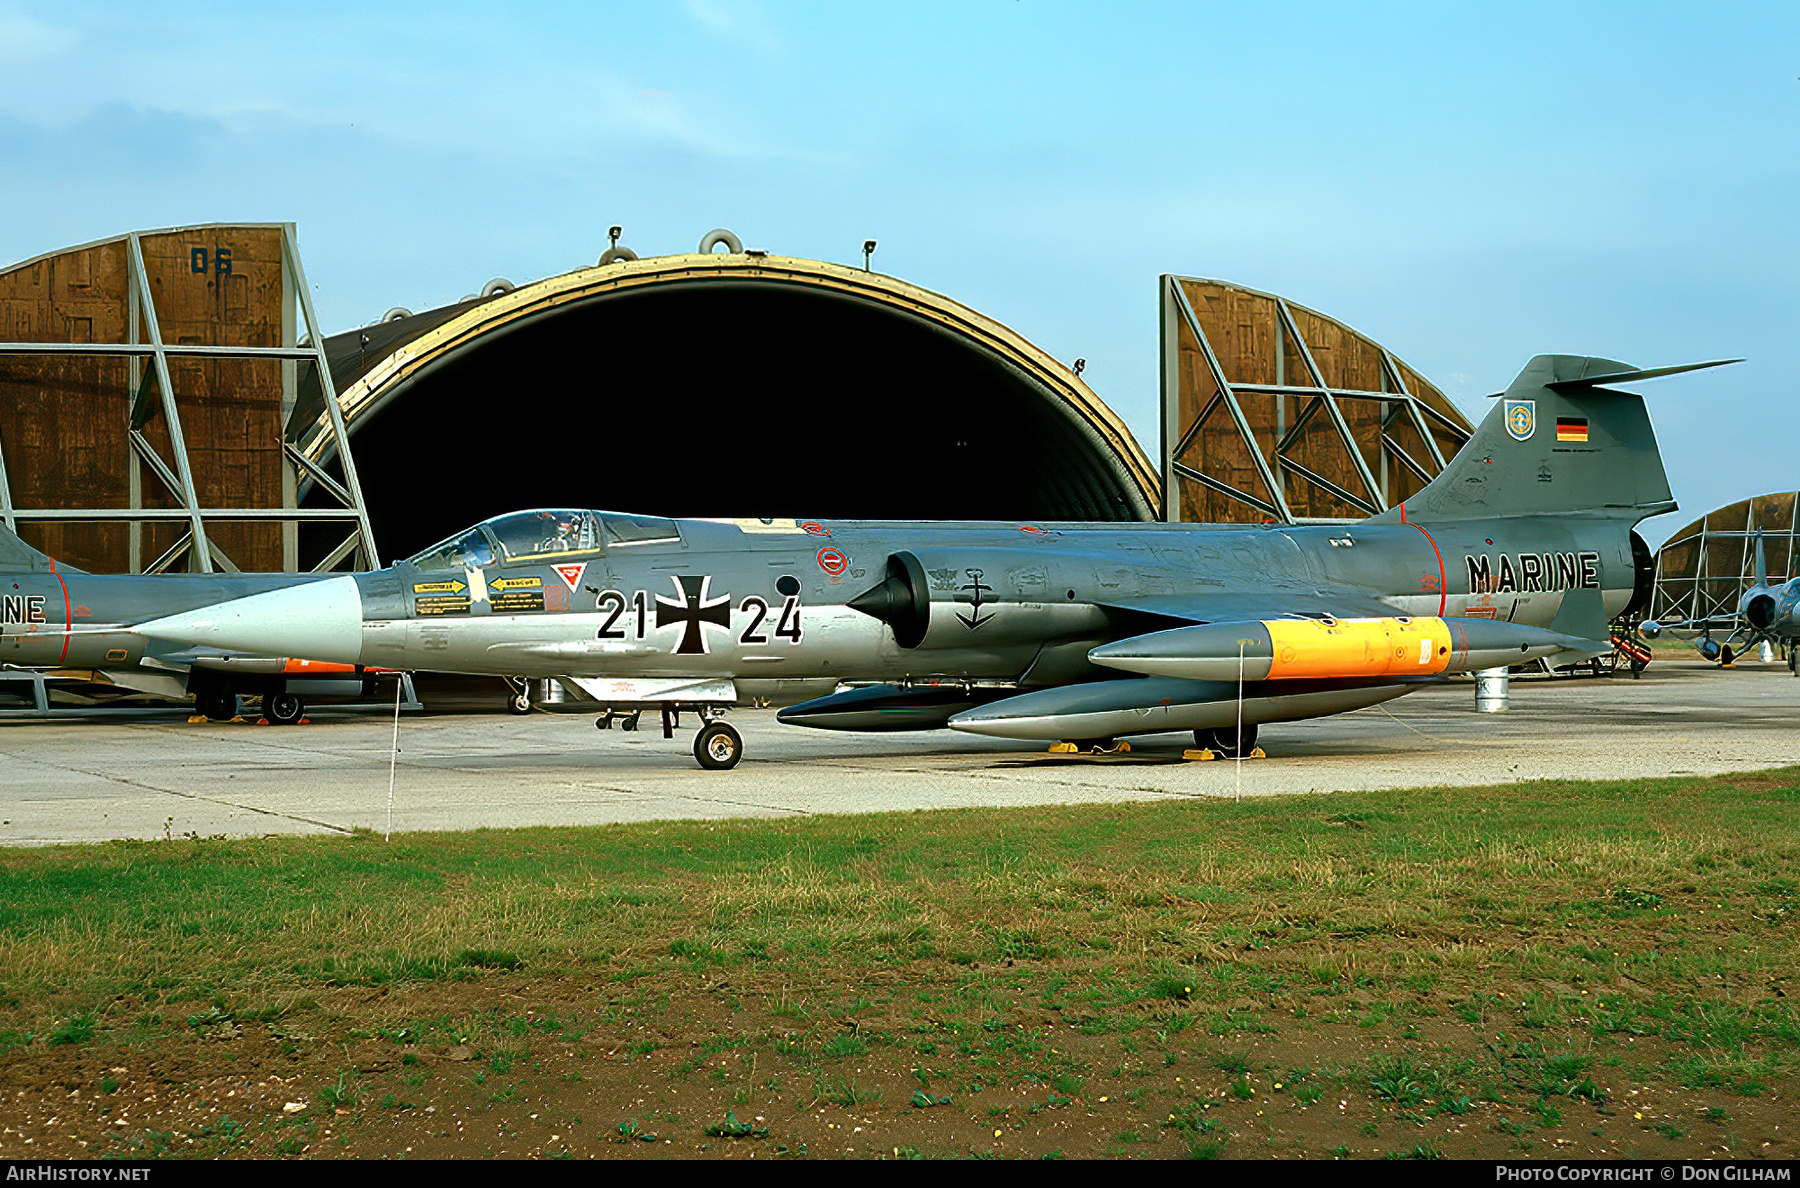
(1521, 418)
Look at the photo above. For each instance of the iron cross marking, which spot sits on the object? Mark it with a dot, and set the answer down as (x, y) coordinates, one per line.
(974, 618)
(692, 610)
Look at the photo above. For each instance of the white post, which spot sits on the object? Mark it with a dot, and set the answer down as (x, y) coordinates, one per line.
(1491, 691)
(393, 761)
(1240, 725)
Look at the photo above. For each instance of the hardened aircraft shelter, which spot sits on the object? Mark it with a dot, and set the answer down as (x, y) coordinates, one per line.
(1703, 569)
(168, 400)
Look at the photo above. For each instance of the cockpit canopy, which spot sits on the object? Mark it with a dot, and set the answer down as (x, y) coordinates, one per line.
(544, 534)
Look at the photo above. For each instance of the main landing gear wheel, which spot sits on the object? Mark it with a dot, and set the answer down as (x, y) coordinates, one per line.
(718, 746)
(518, 695)
(283, 709)
(219, 706)
(1224, 740)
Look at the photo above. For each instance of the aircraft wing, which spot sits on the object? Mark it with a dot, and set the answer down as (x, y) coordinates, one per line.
(1653, 629)
(1222, 606)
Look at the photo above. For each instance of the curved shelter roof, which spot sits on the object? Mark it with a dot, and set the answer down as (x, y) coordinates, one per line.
(1703, 568)
(737, 384)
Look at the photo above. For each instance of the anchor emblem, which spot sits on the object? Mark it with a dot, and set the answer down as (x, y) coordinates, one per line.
(974, 618)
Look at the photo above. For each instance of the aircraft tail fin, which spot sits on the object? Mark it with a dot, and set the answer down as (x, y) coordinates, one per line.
(1556, 441)
(18, 557)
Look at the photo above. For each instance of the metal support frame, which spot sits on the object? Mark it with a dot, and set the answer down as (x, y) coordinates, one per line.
(1277, 505)
(1312, 398)
(6, 504)
(1336, 414)
(140, 280)
(290, 254)
(40, 692)
(148, 356)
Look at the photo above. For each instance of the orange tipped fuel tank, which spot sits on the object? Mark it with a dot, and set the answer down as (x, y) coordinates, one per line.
(1288, 649)
(1337, 649)
(1357, 647)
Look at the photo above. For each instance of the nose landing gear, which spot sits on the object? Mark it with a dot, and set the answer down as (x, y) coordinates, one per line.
(717, 747)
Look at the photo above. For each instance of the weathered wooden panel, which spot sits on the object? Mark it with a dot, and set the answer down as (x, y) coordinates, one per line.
(1241, 327)
(1255, 347)
(62, 417)
(216, 286)
(1217, 449)
(1346, 359)
(1319, 447)
(64, 420)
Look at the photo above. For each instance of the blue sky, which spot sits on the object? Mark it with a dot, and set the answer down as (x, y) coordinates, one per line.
(1471, 185)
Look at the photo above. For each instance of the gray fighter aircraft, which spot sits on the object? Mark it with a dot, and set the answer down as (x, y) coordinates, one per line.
(1073, 633)
(1766, 613)
(58, 618)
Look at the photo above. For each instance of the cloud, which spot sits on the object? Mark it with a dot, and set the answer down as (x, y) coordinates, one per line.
(23, 39)
(735, 22)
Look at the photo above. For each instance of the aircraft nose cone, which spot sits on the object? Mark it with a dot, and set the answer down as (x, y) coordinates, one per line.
(312, 621)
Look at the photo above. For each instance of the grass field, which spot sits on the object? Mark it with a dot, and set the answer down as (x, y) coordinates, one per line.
(1555, 968)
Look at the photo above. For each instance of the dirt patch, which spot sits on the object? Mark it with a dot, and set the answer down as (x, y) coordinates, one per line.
(521, 1067)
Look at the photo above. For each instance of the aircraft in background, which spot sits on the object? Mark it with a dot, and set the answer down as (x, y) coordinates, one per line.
(60, 619)
(1766, 614)
(1075, 633)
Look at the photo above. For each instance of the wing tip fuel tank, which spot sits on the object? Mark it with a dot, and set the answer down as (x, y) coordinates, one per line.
(315, 621)
(1341, 649)
(1288, 649)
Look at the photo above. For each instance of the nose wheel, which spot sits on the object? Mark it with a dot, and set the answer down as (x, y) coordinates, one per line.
(718, 746)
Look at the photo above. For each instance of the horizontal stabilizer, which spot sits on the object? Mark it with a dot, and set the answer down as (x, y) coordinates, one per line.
(1626, 377)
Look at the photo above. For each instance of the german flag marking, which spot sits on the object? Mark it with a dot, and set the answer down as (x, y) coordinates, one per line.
(1571, 429)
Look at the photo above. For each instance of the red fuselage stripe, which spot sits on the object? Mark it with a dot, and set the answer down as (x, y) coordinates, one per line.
(1443, 586)
(68, 613)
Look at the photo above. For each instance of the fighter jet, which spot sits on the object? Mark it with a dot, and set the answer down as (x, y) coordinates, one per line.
(58, 618)
(1766, 614)
(1077, 634)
